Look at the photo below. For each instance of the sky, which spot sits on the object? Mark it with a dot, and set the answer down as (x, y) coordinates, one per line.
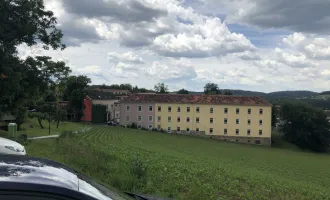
(258, 45)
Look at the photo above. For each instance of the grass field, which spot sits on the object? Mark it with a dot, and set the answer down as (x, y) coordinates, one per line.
(184, 167)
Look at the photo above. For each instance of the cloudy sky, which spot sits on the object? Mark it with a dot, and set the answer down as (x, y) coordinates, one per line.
(260, 45)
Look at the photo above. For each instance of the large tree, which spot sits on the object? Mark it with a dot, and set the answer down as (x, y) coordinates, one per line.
(22, 81)
(183, 91)
(211, 88)
(305, 126)
(161, 88)
(75, 92)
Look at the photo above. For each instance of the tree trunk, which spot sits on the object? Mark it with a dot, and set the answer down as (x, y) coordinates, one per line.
(41, 126)
(58, 122)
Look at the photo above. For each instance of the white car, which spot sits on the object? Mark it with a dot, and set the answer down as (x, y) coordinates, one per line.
(11, 147)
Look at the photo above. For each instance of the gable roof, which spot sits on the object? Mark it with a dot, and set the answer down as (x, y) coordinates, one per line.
(196, 99)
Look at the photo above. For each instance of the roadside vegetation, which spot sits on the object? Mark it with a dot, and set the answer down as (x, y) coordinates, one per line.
(186, 167)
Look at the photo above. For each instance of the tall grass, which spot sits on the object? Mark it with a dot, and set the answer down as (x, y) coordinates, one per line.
(182, 167)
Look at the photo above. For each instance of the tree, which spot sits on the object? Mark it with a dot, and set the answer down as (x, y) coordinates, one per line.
(228, 92)
(183, 91)
(274, 116)
(305, 126)
(161, 88)
(75, 92)
(24, 22)
(60, 116)
(211, 88)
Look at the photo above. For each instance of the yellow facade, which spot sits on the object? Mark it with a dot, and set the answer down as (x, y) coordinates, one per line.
(218, 116)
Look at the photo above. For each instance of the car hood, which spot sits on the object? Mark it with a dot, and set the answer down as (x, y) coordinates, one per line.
(7, 142)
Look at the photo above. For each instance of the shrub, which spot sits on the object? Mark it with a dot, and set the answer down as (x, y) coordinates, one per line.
(154, 129)
(133, 125)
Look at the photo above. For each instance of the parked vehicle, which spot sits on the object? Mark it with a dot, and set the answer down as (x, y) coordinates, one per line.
(29, 178)
(112, 123)
(11, 147)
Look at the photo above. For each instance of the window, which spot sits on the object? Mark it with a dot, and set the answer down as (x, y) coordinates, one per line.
(168, 129)
(260, 122)
(225, 131)
(139, 108)
(127, 108)
(260, 132)
(169, 109)
(188, 130)
(188, 119)
(139, 118)
(179, 119)
(188, 109)
(237, 110)
(150, 108)
(178, 129)
(257, 142)
(117, 115)
(150, 126)
(158, 118)
(249, 111)
(127, 118)
(237, 121)
(197, 109)
(249, 121)
(150, 118)
(225, 121)
(237, 131)
(139, 126)
(211, 120)
(226, 110)
(261, 111)
(179, 109)
(159, 108)
(197, 119)
(211, 130)
(211, 110)
(169, 119)
(248, 132)
(197, 129)
(159, 127)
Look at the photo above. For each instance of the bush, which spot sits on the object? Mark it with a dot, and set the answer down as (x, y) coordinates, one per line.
(154, 129)
(133, 125)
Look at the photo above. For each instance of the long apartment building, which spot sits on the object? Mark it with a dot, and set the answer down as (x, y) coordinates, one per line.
(233, 118)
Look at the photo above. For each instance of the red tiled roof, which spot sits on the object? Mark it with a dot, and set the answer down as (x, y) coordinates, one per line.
(196, 99)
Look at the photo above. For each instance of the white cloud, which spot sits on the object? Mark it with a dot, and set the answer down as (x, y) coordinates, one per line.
(293, 60)
(171, 71)
(313, 47)
(129, 57)
(212, 38)
(92, 70)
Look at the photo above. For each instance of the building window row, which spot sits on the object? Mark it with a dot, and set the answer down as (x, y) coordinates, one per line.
(237, 132)
(169, 109)
(211, 130)
(225, 121)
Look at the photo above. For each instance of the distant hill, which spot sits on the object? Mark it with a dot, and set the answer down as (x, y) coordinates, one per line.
(292, 94)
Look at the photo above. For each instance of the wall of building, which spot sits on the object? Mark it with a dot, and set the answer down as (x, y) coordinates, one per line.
(133, 114)
(218, 116)
(87, 113)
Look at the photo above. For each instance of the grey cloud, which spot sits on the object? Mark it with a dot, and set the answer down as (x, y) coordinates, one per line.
(127, 11)
(298, 15)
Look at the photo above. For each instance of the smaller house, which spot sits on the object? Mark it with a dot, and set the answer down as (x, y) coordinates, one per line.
(106, 97)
